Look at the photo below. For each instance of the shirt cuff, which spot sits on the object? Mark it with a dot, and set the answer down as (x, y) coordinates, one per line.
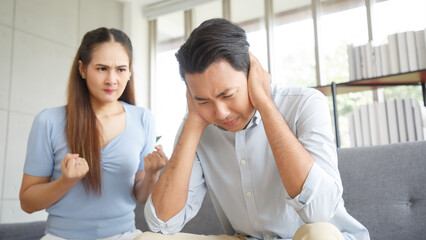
(313, 183)
(319, 198)
(171, 226)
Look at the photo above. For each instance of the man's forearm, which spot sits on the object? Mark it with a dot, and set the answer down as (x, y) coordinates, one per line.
(171, 191)
(292, 159)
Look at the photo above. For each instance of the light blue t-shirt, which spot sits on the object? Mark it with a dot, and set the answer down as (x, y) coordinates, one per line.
(81, 215)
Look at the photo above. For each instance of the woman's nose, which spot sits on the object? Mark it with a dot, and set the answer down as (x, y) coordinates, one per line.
(111, 78)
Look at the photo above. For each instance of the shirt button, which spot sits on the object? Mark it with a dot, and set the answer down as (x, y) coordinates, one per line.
(256, 223)
(267, 235)
(248, 194)
(243, 162)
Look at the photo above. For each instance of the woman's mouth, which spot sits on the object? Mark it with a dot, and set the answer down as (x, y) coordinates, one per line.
(109, 91)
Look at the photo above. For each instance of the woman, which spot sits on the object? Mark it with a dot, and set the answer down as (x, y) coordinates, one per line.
(84, 160)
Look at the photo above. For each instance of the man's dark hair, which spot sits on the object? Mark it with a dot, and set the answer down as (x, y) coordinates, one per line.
(214, 40)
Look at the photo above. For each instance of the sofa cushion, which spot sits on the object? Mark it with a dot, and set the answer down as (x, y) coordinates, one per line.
(384, 188)
(22, 231)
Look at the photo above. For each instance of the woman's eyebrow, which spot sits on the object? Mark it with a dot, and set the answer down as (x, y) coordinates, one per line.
(104, 65)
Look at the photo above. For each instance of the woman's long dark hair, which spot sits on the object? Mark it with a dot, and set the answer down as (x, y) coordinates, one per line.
(83, 129)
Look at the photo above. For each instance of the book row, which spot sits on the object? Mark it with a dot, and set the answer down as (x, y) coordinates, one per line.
(391, 121)
(404, 52)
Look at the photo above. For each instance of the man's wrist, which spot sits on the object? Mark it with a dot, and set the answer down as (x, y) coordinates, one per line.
(266, 105)
(196, 124)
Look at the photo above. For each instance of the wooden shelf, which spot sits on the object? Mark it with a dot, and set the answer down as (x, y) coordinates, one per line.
(410, 78)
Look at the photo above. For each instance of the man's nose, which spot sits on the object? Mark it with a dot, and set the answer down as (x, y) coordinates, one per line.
(221, 111)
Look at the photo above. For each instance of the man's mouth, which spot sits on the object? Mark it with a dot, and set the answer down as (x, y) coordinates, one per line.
(232, 122)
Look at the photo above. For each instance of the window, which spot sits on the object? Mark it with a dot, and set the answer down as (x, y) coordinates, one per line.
(206, 11)
(342, 23)
(170, 101)
(395, 16)
(250, 15)
(294, 45)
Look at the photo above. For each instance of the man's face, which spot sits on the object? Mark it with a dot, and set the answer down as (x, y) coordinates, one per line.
(220, 96)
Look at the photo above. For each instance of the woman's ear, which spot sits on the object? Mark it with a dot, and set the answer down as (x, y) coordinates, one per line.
(81, 69)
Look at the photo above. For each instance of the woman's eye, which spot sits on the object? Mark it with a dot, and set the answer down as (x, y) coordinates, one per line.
(228, 96)
(121, 69)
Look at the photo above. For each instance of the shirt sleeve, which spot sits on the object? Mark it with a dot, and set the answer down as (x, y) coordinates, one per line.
(197, 191)
(148, 124)
(39, 160)
(322, 191)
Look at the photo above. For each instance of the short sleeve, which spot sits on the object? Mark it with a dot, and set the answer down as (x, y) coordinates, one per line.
(148, 125)
(39, 159)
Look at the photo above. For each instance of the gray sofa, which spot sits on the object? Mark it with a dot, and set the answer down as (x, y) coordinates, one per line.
(384, 188)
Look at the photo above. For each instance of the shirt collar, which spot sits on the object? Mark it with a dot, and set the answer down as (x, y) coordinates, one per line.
(255, 120)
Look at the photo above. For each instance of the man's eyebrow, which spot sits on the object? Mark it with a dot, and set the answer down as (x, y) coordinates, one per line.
(200, 99)
(224, 92)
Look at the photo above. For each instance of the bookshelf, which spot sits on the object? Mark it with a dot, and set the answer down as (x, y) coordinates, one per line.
(401, 79)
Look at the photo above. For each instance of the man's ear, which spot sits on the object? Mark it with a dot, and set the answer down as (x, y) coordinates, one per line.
(81, 69)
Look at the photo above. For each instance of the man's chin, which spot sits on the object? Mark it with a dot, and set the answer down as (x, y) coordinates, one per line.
(233, 128)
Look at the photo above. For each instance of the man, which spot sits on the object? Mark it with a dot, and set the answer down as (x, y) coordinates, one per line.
(265, 154)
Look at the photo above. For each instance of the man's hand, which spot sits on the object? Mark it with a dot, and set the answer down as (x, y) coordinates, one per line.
(155, 161)
(74, 168)
(192, 111)
(258, 84)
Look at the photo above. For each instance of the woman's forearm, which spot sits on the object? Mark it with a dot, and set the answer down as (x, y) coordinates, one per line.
(37, 193)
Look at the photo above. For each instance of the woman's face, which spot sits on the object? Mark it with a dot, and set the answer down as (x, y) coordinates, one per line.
(107, 73)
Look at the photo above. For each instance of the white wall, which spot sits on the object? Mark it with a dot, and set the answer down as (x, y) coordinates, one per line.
(38, 41)
(136, 26)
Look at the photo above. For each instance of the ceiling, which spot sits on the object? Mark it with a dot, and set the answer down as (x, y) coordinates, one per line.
(147, 2)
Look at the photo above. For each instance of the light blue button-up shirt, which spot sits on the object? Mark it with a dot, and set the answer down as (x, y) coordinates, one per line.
(239, 171)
